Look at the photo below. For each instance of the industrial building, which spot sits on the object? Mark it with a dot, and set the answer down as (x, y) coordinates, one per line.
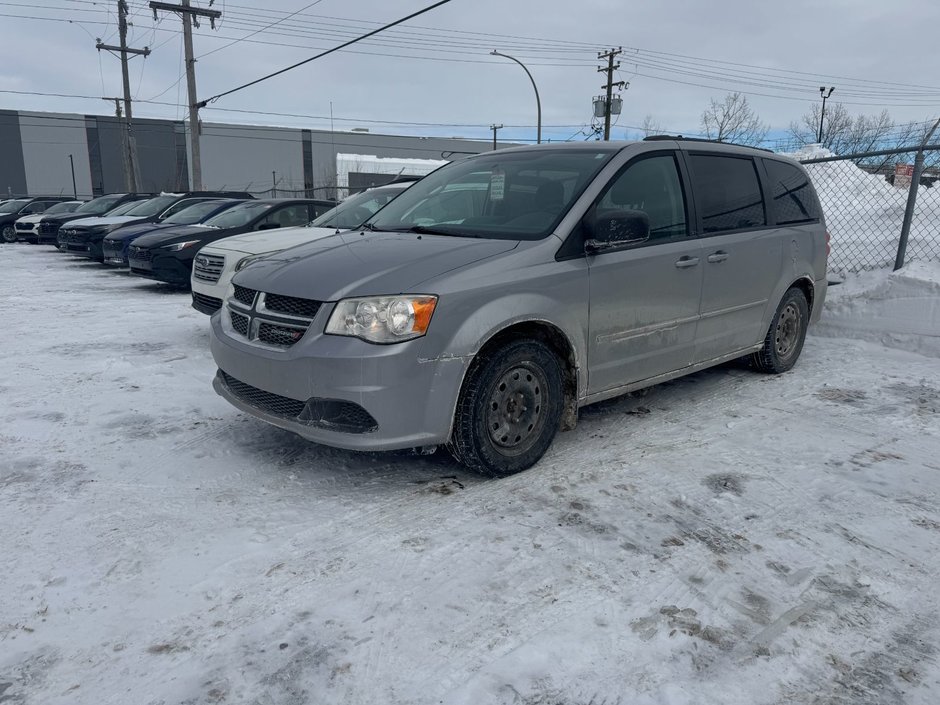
(39, 152)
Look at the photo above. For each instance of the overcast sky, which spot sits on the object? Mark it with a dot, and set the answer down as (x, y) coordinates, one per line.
(437, 69)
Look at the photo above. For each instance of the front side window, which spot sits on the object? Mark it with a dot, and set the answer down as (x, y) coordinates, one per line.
(288, 217)
(651, 185)
(510, 195)
(727, 193)
(794, 198)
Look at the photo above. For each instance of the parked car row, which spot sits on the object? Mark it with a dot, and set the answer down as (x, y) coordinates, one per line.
(480, 307)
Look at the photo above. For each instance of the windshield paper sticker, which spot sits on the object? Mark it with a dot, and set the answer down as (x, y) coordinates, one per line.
(497, 185)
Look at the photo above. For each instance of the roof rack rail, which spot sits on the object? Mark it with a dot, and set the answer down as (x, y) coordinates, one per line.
(657, 138)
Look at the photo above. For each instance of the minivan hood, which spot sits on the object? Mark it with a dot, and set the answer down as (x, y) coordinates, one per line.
(357, 263)
(257, 243)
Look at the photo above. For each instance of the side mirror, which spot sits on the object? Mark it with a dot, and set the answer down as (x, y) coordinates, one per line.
(269, 226)
(615, 229)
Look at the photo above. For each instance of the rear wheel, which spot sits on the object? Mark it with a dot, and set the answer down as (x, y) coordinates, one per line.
(784, 340)
(509, 409)
(9, 234)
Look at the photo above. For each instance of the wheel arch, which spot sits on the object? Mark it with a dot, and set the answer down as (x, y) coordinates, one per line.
(555, 339)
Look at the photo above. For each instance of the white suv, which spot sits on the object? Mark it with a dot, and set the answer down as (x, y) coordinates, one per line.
(216, 263)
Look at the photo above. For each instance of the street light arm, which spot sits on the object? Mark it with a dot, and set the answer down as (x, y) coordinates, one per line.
(538, 102)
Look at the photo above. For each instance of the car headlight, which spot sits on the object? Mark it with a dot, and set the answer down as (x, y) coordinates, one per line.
(245, 261)
(177, 246)
(383, 319)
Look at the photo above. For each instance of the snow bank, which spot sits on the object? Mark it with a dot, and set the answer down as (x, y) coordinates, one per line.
(897, 309)
(864, 214)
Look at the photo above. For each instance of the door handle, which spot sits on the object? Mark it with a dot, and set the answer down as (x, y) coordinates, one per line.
(686, 261)
(719, 256)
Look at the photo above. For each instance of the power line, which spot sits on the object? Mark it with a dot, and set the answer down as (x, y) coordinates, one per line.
(322, 54)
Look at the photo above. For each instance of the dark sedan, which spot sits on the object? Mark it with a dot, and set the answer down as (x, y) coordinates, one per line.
(168, 255)
(13, 210)
(50, 224)
(84, 237)
(115, 245)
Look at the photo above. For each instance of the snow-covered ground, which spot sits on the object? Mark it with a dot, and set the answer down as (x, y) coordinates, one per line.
(726, 538)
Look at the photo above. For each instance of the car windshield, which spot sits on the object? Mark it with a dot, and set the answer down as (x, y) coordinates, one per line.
(98, 205)
(194, 213)
(61, 208)
(238, 216)
(151, 207)
(502, 195)
(123, 209)
(356, 210)
(13, 206)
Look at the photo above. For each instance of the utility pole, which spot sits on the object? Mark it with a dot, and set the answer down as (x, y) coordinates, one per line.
(610, 85)
(125, 150)
(190, 17)
(495, 127)
(132, 168)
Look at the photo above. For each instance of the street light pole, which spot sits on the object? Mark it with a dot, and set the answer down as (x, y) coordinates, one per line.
(822, 113)
(538, 102)
(74, 187)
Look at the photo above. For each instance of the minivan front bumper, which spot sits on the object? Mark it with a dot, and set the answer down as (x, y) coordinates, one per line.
(323, 381)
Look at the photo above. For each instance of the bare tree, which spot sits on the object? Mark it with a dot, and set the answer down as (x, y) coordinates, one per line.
(651, 126)
(733, 120)
(843, 133)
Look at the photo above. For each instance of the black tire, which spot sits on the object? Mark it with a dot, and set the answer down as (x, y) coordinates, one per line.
(785, 337)
(509, 409)
(9, 234)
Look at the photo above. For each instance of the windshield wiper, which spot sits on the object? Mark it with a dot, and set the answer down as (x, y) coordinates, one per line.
(431, 230)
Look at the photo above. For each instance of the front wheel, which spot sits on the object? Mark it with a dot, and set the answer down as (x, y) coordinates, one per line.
(784, 340)
(509, 408)
(9, 234)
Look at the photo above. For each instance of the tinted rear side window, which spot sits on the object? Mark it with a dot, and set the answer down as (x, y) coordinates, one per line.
(794, 198)
(727, 193)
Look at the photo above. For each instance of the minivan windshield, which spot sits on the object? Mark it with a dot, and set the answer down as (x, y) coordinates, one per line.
(238, 216)
(355, 210)
(195, 213)
(503, 195)
(98, 205)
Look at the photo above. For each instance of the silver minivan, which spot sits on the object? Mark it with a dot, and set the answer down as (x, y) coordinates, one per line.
(490, 301)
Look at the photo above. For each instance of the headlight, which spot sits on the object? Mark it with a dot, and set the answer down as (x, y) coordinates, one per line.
(177, 246)
(245, 261)
(383, 319)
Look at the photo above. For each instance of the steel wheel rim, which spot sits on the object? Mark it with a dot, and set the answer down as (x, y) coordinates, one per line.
(514, 410)
(787, 332)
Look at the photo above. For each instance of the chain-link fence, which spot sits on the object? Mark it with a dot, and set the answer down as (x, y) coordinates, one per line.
(866, 213)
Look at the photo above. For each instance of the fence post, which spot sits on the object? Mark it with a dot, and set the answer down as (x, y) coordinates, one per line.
(912, 199)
